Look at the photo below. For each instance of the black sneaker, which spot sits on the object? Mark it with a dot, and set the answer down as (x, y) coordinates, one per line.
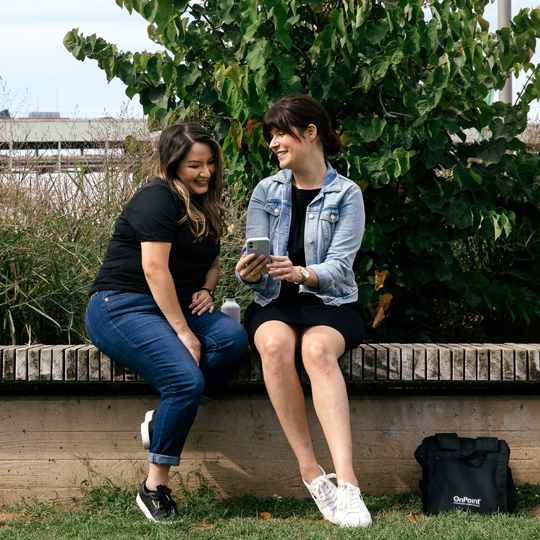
(147, 429)
(157, 505)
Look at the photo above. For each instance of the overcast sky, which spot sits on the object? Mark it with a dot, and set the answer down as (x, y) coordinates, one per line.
(38, 73)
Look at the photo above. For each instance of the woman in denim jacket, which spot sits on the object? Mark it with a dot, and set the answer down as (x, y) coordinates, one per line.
(306, 296)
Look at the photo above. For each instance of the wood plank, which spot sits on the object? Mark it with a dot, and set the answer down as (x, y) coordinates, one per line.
(21, 363)
(93, 364)
(118, 371)
(105, 367)
(469, 362)
(58, 362)
(255, 363)
(407, 363)
(8, 363)
(394, 361)
(419, 361)
(70, 364)
(381, 362)
(129, 375)
(344, 362)
(432, 364)
(82, 363)
(508, 364)
(533, 360)
(357, 361)
(45, 364)
(368, 372)
(33, 364)
(495, 362)
(458, 361)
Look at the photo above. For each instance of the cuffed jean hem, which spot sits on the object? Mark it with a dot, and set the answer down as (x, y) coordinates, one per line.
(159, 459)
(205, 400)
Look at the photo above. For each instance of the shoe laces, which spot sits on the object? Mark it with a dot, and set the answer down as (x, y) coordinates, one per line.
(165, 500)
(321, 490)
(349, 497)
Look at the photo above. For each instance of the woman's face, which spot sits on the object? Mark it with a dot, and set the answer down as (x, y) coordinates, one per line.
(197, 168)
(291, 152)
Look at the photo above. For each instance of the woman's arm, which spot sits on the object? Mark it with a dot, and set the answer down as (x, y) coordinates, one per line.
(202, 300)
(155, 263)
(344, 244)
(249, 269)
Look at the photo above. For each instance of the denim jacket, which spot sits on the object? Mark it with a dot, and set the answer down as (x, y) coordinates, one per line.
(335, 222)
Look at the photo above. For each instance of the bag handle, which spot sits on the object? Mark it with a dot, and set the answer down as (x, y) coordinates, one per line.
(450, 442)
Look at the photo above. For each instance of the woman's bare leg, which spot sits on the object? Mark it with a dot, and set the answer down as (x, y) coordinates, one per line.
(276, 342)
(321, 348)
(158, 475)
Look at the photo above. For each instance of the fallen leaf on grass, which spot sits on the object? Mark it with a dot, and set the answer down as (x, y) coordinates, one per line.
(205, 527)
(265, 515)
(412, 517)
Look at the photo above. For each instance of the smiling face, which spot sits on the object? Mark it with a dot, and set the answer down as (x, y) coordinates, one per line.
(291, 152)
(197, 168)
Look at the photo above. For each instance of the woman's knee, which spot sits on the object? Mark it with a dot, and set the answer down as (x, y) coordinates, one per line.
(319, 359)
(277, 355)
(186, 382)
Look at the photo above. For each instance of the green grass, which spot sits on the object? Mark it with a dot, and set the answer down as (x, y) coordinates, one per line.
(110, 512)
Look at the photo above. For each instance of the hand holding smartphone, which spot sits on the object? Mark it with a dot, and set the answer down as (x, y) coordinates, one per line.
(259, 246)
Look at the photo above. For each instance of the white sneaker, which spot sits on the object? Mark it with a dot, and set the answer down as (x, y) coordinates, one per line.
(324, 493)
(147, 429)
(351, 510)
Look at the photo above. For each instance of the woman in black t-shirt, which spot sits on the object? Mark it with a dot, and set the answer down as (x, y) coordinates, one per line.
(151, 306)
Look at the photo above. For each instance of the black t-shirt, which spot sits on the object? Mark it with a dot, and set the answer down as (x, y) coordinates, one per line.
(290, 292)
(152, 215)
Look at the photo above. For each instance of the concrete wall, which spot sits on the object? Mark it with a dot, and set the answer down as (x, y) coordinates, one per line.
(56, 445)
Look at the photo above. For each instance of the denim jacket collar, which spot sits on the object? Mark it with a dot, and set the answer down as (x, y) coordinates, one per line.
(331, 179)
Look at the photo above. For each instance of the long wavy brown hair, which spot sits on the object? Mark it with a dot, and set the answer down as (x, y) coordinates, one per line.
(206, 219)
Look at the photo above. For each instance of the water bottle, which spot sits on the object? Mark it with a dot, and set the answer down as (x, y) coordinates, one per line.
(230, 307)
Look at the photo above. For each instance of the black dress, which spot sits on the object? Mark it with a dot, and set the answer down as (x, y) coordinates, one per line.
(306, 309)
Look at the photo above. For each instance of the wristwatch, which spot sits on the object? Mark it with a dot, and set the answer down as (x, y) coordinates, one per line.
(209, 291)
(304, 272)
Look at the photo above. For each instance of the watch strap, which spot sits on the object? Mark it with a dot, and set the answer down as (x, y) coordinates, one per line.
(209, 291)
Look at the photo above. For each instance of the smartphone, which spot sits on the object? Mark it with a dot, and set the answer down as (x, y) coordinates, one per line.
(259, 246)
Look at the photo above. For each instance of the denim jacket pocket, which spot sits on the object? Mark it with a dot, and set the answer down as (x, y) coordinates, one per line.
(273, 208)
(329, 218)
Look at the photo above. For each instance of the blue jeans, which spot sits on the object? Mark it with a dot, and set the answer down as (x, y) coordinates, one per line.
(131, 329)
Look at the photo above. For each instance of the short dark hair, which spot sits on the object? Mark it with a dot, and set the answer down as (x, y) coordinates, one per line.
(297, 111)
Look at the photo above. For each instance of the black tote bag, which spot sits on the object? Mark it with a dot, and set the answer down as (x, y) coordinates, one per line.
(470, 474)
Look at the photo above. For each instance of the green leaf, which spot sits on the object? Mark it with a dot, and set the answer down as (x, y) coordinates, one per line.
(159, 96)
(378, 126)
(257, 54)
(236, 134)
(377, 32)
(154, 68)
(337, 20)
(491, 153)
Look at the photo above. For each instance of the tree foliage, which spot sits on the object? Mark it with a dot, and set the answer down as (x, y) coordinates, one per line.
(449, 221)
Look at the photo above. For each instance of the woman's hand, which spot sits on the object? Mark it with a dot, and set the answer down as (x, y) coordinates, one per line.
(191, 343)
(201, 301)
(283, 270)
(251, 268)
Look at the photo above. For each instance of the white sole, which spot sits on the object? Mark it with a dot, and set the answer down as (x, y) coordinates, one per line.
(142, 506)
(145, 430)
